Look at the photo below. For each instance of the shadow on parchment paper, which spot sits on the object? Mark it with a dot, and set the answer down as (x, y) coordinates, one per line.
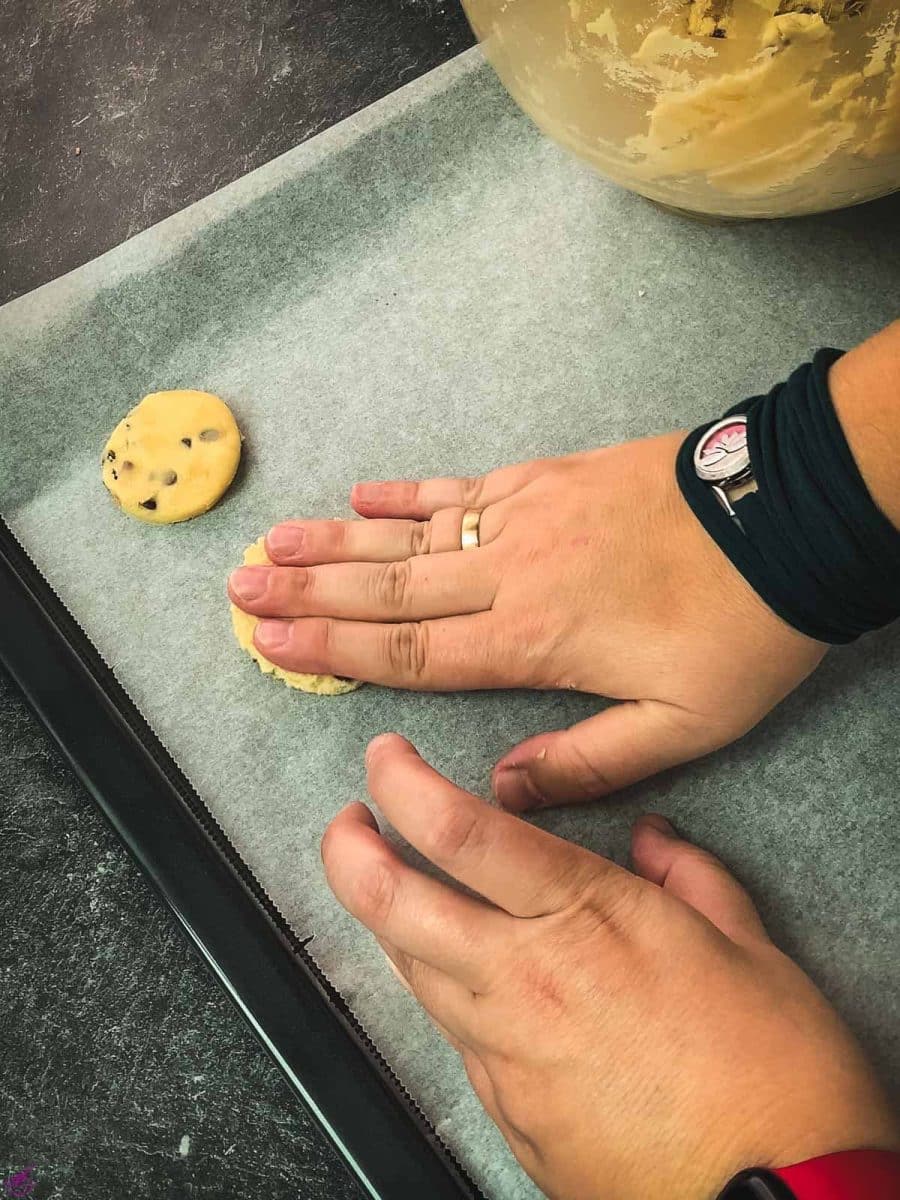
(296, 238)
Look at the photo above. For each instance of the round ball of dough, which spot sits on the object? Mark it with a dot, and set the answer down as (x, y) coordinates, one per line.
(172, 457)
(244, 624)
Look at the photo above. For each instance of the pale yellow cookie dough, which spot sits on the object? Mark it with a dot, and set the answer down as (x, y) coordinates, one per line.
(731, 107)
(172, 457)
(244, 624)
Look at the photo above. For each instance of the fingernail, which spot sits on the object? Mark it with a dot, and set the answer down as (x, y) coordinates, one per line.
(365, 493)
(660, 824)
(271, 635)
(285, 541)
(249, 583)
(377, 744)
(521, 757)
(516, 790)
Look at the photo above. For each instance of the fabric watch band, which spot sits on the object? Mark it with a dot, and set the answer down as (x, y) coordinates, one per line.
(808, 538)
(848, 1175)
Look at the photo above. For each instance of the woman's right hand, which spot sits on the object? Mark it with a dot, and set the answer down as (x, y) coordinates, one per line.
(635, 1036)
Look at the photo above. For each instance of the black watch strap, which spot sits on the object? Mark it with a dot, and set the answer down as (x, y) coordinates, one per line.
(756, 1184)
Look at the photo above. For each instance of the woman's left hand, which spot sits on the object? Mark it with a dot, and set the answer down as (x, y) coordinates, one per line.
(591, 573)
(634, 1036)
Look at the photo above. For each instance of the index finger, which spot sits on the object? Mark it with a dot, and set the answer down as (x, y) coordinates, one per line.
(519, 868)
(421, 499)
(422, 917)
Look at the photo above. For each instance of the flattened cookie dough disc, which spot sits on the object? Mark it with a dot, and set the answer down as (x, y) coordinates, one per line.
(172, 457)
(244, 624)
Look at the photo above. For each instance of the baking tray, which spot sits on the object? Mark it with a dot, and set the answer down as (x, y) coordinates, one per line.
(265, 970)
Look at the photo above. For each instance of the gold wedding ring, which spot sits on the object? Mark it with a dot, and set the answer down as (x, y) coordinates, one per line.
(470, 523)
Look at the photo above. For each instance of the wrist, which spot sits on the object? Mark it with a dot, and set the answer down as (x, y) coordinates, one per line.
(865, 392)
(816, 539)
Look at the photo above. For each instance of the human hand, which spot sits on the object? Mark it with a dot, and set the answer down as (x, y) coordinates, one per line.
(592, 574)
(634, 1036)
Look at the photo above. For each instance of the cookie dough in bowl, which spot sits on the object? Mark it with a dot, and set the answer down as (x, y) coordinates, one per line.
(172, 457)
(244, 624)
(726, 108)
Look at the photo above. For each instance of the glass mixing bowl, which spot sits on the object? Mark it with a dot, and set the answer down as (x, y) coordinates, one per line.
(733, 108)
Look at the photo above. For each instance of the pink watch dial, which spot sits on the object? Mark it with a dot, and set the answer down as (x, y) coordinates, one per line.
(721, 455)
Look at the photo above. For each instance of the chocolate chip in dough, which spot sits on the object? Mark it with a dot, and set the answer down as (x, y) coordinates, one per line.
(115, 473)
(110, 456)
(154, 480)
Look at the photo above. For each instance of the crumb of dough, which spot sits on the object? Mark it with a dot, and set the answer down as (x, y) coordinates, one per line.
(709, 18)
(244, 624)
(172, 457)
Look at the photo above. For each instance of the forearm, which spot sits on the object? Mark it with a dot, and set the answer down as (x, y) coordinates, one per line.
(865, 389)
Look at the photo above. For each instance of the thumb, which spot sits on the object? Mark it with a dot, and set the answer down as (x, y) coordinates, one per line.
(619, 746)
(696, 877)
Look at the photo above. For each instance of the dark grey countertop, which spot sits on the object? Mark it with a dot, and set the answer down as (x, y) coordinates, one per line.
(124, 1070)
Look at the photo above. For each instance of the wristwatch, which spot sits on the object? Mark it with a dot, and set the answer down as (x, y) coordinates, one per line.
(848, 1175)
(722, 460)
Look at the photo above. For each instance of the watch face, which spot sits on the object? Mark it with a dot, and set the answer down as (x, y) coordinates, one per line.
(722, 453)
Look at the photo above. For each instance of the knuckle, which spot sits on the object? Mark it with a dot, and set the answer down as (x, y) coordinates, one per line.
(546, 486)
(531, 558)
(303, 581)
(539, 646)
(324, 541)
(311, 645)
(592, 779)
(564, 886)
(420, 538)
(609, 909)
(373, 892)
(471, 487)
(590, 905)
(336, 533)
(456, 830)
(322, 637)
(543, 988)
(391, 585)
(413, 495)
(406, 650)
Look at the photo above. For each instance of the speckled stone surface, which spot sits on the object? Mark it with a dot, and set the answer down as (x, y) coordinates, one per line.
(115, 113)
(125, 1072)
(115, 1044)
